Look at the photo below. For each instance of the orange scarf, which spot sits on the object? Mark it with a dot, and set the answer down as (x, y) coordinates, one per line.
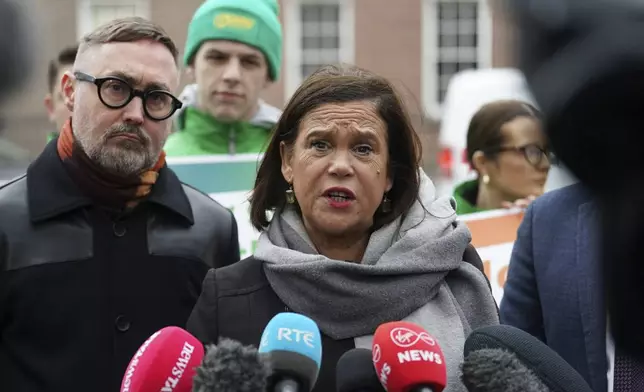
(105, 188)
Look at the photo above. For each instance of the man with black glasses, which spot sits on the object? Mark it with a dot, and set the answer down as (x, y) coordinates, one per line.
(100, 244)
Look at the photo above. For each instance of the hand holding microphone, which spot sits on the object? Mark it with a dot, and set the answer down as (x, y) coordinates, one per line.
(408, 359)
(165, 362)
(294, 346)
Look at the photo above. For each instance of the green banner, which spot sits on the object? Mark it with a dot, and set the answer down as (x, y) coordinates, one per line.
(228, 180)
(217, 174)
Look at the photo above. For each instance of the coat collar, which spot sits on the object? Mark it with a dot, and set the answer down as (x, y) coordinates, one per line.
(52, 192)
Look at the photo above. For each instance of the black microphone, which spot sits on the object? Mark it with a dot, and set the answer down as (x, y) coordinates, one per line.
(555, 373)
(497, 370)
(231, 367)
(355, 372)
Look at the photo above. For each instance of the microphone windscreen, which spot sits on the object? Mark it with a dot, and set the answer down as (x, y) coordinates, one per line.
(355, 372)
(497, 370)
(546, 364)
(164, 362)
(405, 356)
(231, 367)
(295, 347)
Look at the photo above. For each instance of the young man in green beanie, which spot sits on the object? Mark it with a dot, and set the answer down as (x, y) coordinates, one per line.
(234, 51)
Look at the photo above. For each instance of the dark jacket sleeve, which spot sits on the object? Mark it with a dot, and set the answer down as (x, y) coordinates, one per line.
(203, 321)
(230, 246)
(3, 283)
(520, 305)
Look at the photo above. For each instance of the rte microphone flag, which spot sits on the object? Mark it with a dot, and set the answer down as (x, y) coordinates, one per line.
(294, 345)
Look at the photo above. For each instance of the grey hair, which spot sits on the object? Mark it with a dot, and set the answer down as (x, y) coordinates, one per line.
(129, 29)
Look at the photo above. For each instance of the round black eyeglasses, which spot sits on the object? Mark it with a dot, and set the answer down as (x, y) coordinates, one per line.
(116, 93)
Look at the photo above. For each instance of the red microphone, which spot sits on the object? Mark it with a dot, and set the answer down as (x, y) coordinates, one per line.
(165, 362)
(408, 359)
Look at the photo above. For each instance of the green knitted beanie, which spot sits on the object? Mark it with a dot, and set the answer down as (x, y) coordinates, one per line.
(251, 22)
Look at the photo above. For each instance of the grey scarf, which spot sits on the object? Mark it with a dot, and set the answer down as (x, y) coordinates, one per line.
(404, 267)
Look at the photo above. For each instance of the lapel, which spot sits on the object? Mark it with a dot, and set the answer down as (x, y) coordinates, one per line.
(591, 302)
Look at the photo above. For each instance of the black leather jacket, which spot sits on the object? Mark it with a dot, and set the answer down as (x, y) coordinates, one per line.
(81, 290)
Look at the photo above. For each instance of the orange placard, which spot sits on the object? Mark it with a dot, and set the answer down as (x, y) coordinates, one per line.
(494, 230)
(493, 236)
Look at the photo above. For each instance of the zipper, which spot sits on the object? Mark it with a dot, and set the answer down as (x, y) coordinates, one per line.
(231, 140)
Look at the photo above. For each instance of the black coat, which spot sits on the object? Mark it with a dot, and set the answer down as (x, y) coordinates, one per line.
(81, 289)
(237, 302)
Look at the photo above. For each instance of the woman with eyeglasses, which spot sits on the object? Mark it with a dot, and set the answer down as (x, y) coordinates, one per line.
(509, 152)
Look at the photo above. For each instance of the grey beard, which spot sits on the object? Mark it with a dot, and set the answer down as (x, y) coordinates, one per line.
(126, 160)
(122, 162)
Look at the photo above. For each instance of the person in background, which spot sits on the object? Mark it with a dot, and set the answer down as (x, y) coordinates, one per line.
(234, 52)
(358, 236)
(54, 102)
(100, 244)
(509, 152)
(554, 288)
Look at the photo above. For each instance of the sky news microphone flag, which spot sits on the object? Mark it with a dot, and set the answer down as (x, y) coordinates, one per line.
(165, 362)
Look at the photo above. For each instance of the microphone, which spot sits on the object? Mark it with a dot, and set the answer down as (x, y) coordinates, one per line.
(408, 359)
(555, 373)
(165, 362)
(497, 370)
(355, 372)
(231, 367)
(294, 346)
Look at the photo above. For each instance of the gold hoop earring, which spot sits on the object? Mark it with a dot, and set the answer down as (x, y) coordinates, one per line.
(290, 195)
(386, 204)
(486, 179)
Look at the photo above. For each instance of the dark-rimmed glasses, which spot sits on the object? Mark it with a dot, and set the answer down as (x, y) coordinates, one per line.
(533, 153)
(116, 93)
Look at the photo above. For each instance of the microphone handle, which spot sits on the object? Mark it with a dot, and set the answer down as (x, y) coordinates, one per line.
(287, 385)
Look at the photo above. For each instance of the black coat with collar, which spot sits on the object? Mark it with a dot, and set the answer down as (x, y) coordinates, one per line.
(80, 290)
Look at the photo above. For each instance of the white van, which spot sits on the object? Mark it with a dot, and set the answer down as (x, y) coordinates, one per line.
(466, 93)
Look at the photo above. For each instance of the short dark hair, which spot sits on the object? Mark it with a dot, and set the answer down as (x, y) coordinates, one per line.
(484, 132)
(129, 29)
(65, 57)
(339, 84)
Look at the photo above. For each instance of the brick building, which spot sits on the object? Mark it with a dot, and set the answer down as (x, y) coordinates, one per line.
(418, 44)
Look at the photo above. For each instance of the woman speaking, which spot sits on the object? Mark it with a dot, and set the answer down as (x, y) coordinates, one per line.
(357, 236)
